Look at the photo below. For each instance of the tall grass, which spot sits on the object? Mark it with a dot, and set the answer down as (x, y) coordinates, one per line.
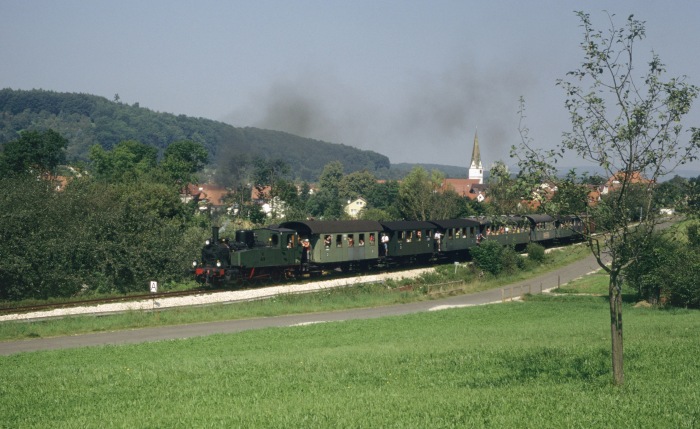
(527, 364)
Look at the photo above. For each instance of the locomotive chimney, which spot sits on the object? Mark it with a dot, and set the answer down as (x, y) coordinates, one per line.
(214, 234)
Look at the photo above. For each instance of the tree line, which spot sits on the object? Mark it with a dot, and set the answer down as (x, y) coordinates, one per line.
(111, 229)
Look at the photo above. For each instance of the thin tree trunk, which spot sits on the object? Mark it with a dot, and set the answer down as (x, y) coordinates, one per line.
(616, 333)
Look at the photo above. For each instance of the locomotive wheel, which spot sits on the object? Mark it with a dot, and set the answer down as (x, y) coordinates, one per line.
(276, 276)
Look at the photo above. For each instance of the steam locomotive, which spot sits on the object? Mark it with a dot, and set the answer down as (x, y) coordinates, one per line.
(311, 248)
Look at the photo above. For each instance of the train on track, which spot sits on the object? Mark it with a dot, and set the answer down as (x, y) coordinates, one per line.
(311, 248)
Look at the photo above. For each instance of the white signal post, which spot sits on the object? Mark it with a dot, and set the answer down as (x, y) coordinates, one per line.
(154, 289)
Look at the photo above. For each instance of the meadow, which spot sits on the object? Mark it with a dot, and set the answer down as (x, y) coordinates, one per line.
(541, 363)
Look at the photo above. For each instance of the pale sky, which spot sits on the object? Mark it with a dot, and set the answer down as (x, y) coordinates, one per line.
(413, 80)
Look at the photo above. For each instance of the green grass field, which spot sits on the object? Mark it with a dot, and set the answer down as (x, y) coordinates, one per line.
(541, 363)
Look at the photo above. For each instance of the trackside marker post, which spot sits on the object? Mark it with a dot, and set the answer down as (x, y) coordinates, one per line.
(154, 289)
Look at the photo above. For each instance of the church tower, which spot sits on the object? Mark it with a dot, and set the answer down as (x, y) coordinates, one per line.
(476, 171)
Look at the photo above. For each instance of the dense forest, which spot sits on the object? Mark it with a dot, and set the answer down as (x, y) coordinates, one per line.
(85, 120)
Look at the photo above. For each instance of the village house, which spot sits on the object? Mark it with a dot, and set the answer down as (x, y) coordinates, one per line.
(616, 180)
(207, 196)
(353, 208)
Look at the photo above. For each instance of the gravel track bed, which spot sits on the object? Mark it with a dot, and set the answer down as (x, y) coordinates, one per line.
(212, 298)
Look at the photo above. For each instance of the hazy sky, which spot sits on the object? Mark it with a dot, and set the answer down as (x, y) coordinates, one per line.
(413, 80)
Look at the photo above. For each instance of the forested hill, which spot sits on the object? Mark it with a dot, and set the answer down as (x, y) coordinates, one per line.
(86, 120)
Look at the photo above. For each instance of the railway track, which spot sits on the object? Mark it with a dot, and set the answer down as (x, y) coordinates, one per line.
(100, 301)
(203, 297)
(10, 310)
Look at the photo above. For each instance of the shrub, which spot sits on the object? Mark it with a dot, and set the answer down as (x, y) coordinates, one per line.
(511, 260)
(91, 237)
(656, 274)
(693, 232)
(487, 256)
(535, 252)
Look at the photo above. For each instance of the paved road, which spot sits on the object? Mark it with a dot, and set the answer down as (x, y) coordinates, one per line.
(535, 285)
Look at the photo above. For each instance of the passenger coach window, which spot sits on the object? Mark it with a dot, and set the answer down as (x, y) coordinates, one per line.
(339, 240)
(402, 235)
(275, 240)
(371, 239)
(362, 240)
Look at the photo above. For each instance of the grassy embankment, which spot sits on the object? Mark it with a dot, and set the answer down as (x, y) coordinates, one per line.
(455, 281)
(542, 363)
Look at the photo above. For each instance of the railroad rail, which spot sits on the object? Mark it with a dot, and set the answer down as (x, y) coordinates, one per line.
(110, 300)
(146, 296)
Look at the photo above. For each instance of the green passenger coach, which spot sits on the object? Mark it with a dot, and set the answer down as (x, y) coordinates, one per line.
(411, 240)
(342, 244)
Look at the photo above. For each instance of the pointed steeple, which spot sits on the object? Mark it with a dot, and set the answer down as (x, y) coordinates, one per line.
(476, 171)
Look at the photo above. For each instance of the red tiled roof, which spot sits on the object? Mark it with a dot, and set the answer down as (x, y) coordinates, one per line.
(214, 194)
(256, 195)
(636, 177)
(462, 187)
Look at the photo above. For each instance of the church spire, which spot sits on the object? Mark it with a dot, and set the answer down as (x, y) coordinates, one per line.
(476, 171)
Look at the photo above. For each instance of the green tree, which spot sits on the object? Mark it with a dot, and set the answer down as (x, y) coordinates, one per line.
(671, 193)
(327, 202)
(182, 161)
(266, 172)
(422, 196)
(504, 191)
(357, 184)
(629, 127)
(266, 175)
(693, 232)
(693, 197)
(655, 274)
(415, 194)
(448, 204)
(127, 162)
(571, 196)
(38, 152)
(91, 237)
(384, 197)
(285, 193)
